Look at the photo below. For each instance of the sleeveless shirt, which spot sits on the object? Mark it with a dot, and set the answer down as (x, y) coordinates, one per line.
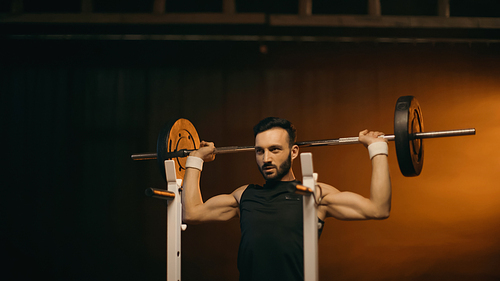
(271, 222)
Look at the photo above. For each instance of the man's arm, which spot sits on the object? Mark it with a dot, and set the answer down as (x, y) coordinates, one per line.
(352, 206)
(218, 208)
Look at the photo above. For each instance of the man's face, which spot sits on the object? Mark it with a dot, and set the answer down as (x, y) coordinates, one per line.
(273, 153)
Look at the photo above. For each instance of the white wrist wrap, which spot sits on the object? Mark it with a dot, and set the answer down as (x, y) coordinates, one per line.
(194, 162)
(378, 148)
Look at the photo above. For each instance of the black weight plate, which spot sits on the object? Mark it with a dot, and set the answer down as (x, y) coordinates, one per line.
(408, 120)
(174, 136)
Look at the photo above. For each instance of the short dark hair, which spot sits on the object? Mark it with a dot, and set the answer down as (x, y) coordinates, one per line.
(275, 122)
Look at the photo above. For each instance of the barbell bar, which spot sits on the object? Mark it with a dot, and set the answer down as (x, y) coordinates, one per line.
(314, 143)
(179, 138)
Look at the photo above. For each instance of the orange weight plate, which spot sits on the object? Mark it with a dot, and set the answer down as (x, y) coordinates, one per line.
(176, 136)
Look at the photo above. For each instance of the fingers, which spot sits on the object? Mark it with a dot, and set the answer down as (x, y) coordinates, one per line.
(364, 132)
(367, 137)
(207, 146)
(206, 151)
(206, 143)
(374, 134)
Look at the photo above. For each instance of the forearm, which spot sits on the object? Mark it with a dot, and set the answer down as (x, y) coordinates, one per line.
(195, 210)
(380, 189)
(191, 194)
(218, 208)
(352, 206)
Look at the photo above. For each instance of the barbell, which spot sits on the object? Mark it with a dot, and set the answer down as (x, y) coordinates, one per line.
(178, 138)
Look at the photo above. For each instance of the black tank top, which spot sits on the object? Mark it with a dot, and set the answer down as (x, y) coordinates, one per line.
(271, 246)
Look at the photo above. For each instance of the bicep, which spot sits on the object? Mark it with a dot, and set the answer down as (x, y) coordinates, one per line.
(220, 208)
(345, 205)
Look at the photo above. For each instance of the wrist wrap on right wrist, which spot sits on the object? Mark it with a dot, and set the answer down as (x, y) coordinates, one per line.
(378, 148)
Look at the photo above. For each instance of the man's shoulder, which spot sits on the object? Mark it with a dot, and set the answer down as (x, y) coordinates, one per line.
(239, 191)
(327, 189)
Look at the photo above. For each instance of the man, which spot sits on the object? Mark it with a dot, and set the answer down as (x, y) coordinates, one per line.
(271, 246)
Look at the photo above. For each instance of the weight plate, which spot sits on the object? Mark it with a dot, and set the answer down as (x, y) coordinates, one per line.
(174, 136)
(408, 120)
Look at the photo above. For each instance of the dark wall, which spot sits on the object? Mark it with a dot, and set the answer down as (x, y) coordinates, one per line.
(73, 204)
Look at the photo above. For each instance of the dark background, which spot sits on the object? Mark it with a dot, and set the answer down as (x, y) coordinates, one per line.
(73, 111)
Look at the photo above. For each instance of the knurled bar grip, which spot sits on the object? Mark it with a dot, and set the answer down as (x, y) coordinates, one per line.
(339, 141)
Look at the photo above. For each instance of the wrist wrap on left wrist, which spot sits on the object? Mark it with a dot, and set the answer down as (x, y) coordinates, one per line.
(378, 148)
(194, 162)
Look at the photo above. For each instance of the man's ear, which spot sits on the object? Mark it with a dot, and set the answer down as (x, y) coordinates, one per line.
(295, 151)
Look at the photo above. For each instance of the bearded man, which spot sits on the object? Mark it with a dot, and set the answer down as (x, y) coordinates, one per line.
(271, 221)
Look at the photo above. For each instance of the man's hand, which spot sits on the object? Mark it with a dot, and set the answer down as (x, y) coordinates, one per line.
(368, 137)
(205, 152)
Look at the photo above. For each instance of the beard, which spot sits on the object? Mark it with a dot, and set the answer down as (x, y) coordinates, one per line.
(281, 171)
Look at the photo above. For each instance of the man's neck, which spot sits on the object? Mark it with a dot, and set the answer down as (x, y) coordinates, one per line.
(288, 177)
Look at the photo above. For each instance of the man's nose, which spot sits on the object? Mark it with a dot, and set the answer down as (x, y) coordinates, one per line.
(267, 156)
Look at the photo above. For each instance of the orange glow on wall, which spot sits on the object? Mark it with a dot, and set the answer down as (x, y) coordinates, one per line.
(444, 223)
